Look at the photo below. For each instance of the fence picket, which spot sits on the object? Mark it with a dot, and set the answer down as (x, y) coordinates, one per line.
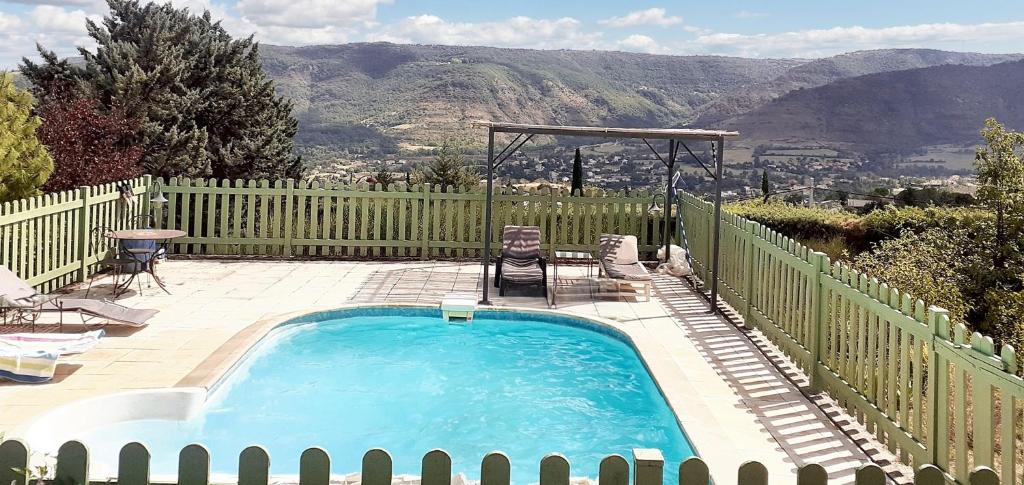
(14, 455)
(813, 474)
(614, 470)
(495, 469)
(437, 468)
(752, 473)
(133, 464)
(314, 467)
(253, 466)
(693, 471)
(554, 470)
(376, 468)
(984, 475)
(72, 463)
(929, 475)
(193, 465)
(870, 474)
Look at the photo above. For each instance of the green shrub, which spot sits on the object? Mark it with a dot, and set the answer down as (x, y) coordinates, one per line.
(859, 233)
(935, 265)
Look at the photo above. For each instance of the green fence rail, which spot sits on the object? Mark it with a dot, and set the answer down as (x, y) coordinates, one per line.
(925, 389)
(72, 468)
(288, 218)
(47, 240)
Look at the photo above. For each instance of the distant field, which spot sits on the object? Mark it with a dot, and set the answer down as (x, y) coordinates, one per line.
(802, 152)
(950, 157)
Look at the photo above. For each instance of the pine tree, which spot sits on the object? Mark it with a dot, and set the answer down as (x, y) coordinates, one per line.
(206, 106)
(577, 173)
(24, 162)
(449, 169)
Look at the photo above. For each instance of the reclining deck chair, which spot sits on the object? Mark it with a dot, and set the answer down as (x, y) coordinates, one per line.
(521, 261)
(26, 304)
(619, 262)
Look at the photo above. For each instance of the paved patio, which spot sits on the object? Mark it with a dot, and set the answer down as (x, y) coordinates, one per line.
(721, 382)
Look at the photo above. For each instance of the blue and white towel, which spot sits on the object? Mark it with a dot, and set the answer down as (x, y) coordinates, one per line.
(28, 366)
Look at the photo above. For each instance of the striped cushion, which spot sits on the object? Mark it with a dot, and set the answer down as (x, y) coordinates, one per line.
(521, 271)
(522, 242)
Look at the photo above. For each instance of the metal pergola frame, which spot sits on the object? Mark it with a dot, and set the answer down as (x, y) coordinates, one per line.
(676, 137)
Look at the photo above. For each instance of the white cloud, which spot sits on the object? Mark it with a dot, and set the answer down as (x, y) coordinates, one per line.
(309, 13)
(58, 3)
(641, 43)
(826, 42)
(524, 32)
(56, 20)
(657, 17)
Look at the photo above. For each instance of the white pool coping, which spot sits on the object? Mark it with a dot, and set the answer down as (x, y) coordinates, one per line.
(720, 428)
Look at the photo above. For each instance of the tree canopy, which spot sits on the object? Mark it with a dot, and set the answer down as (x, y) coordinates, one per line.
(24, 162)
(205, 106)
(449, 169)
(89, 145)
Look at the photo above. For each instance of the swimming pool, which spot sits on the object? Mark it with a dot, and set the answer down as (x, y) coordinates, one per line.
(404, 380)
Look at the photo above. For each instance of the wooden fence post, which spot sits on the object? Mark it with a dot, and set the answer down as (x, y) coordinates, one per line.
(750, 237)
(147, 182)
(819, 308)
(425, 222)
(648, 466)
(552, 221)
(289, 208)
(708, 238)
(937, 443)
(83, 233)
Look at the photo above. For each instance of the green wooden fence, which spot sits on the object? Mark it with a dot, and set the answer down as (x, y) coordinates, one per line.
(47, 239)
(286, 218)
(72, 468)
(924, 388)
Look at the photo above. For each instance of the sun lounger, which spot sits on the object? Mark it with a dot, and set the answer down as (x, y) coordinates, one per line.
(18, 296)
(619, 263)
(521, 261)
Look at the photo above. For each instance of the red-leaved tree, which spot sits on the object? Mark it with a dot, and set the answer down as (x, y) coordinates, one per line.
(89, 145)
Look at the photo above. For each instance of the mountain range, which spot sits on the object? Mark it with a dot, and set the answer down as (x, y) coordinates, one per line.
(381, 97)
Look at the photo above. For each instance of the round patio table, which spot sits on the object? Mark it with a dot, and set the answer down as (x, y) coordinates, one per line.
(145, 256)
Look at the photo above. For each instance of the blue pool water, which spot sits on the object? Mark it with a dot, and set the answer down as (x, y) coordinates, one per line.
(406, 381)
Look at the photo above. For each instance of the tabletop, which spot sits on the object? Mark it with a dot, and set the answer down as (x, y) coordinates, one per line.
(573, 255)
(147, 234)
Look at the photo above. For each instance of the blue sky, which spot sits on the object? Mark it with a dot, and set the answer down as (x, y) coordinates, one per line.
(751, 28)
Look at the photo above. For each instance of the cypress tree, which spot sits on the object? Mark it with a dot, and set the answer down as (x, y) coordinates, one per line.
(207, 108)
(577, 173)
(765, 186)
(24, 162)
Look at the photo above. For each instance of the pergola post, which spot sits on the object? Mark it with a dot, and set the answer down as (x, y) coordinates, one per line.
(487, 217)
(676, 137)
(719, 162)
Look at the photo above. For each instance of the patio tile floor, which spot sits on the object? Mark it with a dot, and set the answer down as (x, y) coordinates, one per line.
(730, 373)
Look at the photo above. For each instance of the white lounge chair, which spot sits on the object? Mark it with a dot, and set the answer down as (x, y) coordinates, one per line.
(619, 263)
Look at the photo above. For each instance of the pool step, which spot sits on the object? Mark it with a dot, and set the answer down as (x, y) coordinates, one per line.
(460, 307)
